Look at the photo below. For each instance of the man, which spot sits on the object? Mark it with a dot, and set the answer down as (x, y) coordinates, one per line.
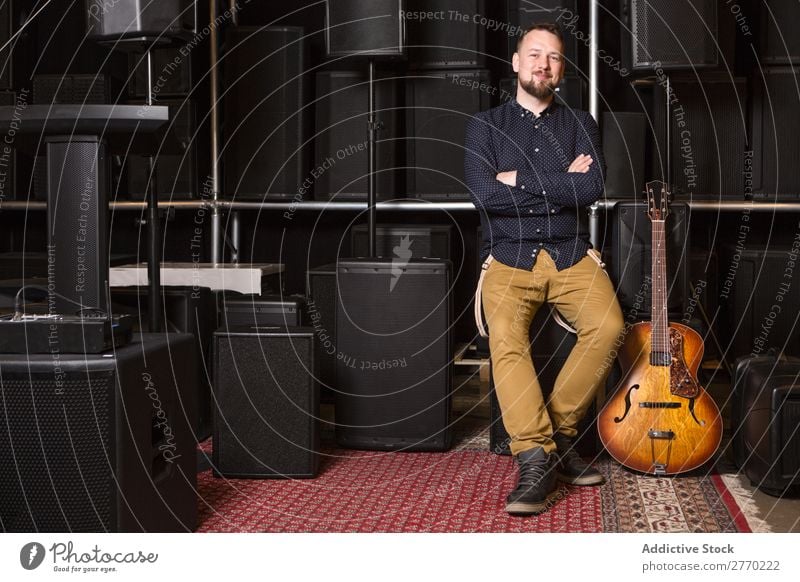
(532, 166)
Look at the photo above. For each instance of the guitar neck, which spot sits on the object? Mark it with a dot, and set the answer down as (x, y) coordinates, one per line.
(660, 345)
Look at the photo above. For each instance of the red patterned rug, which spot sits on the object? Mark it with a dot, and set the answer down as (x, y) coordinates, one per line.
(457, 491)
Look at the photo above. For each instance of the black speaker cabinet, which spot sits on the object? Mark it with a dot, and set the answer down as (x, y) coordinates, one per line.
(365, 29)
(101, 442)
(776, 126)
(321, 289)
(681, 34)
(550, 348)
(340, 156)
(185, 310)
(176, 156)
(164, 20)
(394, 360)
(630, 258)
(266, 423)
(764, 419)
(81, 89)
(438, 105)
(8, 155)
(449, 36)
(761, 309)
(286, 310)
(523, 13)
(6, 31)
(779, 46)
(266, 112)
(709, 135)
(414, 241)
(624, 152)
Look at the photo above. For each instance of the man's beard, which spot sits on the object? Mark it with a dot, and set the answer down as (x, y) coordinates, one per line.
(539, 90)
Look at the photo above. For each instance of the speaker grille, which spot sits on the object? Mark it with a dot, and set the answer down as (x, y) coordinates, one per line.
(393, 366)
(67, 469)
(268, 403)
(447, 41)
(675, 34)
(355, 27)
(780, 44)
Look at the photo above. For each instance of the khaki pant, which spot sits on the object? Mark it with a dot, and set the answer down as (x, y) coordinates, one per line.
(584, 296)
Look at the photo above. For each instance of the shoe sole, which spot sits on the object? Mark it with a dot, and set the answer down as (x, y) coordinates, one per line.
(581, 481)
(533, 508)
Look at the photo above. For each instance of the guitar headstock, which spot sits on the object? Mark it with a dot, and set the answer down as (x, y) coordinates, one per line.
(658, 199)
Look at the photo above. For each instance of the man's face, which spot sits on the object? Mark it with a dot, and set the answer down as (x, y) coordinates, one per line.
(539, 63)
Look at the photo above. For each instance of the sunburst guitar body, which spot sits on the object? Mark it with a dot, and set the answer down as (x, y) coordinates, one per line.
(659, 419)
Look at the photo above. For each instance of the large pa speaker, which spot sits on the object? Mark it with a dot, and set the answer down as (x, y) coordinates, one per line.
(624, 152)
(709, 135)
(341, 146)
(445, 33)
(81, 89)
(185, 310)
(266, 423)
(286, 310)
(680, 34)
(394, 366)
(176, 157)
(132, 19)
(779, 45)
(765, 417)
(418, 241)
(630, 258)
(266, 116)
(100, 442)
(775, 128)
(438, 105)
(760, 310)
(367, 29)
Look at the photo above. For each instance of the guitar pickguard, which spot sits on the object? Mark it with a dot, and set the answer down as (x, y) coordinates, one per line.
(682, 383)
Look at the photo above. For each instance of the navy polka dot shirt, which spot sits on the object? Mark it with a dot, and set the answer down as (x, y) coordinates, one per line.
(545, 209)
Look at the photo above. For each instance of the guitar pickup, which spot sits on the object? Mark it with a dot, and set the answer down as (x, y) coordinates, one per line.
(661, 434)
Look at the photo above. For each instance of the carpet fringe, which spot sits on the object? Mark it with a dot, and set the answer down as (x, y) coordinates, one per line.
(744, 499)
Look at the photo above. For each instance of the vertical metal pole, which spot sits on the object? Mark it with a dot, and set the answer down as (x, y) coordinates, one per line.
(668, 145)
(594, 110)
(153, 225)
(371, 194)
(236, 226)
(216, 213)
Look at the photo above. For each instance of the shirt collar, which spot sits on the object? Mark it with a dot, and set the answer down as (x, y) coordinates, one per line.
(547, 111)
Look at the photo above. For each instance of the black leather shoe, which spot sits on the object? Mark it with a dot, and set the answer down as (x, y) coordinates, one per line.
(537, 483)
(570, 468)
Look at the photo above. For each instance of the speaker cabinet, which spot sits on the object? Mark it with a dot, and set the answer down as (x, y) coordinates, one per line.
(266, 420)
(631, 261)
(760, 311)
(8, 155)
(266, 115)
(321, 288)
(438, 105)
(100, 442)
(779, 45)
(80, 89)
(681, 34)
(341, 146)
(422, 242)
(163, 20)
(776, 126)
(765, 416)
(287, 310)
(709, 135)
(624, 152)
(176, 157)
(365, 29)
(451, 38)
(395, 357)
(185, 310)
(6, 32)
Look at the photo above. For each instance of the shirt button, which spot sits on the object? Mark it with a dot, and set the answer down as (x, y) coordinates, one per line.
(536, 126)
(536, 149)
(522, 187)
(552, 211)
(541, 245)
(543, 192)
(530, 211)
(522, 115)
(538, 230)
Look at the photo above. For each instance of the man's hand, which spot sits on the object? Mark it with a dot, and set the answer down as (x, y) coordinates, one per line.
(508, 178)
(581, 164)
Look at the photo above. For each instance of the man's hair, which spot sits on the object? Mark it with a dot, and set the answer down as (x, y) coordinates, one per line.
(550, 27)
